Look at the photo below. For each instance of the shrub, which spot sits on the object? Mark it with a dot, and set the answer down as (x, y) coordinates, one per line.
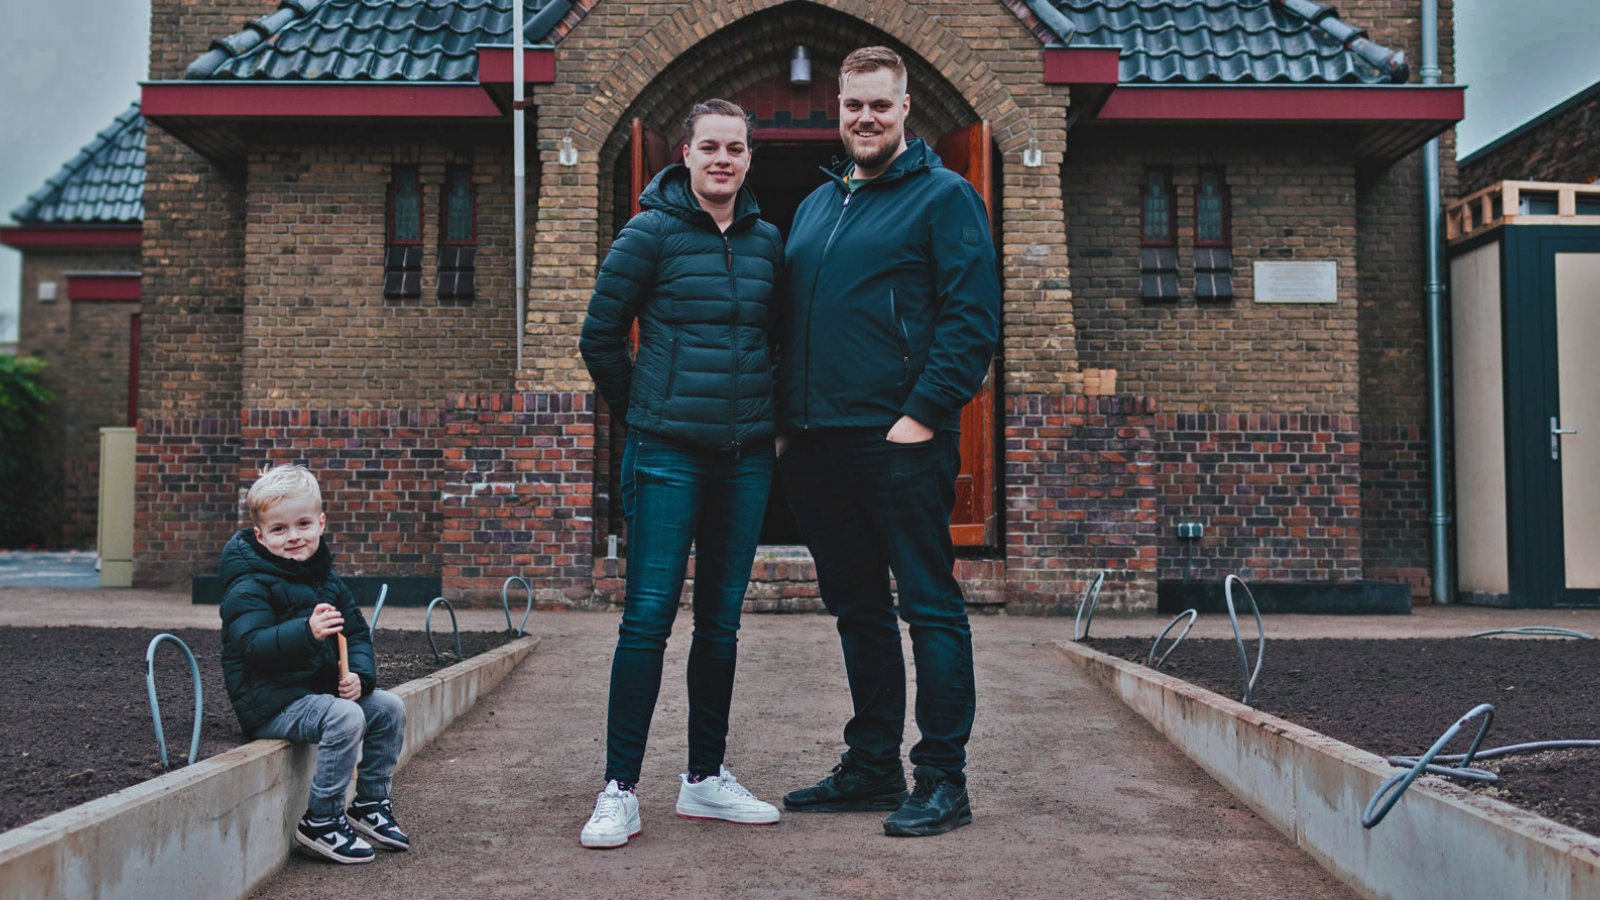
(22, 407)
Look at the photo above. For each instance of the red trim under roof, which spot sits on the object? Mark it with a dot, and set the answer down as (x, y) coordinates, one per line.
(70, 237)
(103, 286)
(1086, 65)
(494, 65)
(257, 100)
(1137, 103)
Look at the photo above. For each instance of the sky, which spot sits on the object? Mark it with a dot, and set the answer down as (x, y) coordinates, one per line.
(72, 65)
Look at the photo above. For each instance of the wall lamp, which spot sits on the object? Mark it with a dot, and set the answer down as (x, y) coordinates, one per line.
(568, 154)
(800, 66)
(1032, 156)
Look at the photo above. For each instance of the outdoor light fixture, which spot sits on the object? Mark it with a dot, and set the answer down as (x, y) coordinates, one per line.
(1033, 157)
(568, 154)
(800, 67)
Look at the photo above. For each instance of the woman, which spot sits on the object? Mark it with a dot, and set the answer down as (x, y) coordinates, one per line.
(696, 269)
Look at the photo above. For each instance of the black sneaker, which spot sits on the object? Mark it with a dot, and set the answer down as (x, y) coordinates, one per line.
(375, 819)
(332, 839)
(936, 806)
(851, 788)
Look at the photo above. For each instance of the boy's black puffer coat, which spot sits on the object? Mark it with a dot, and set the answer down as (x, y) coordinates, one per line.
(704, 302)
(269, 658)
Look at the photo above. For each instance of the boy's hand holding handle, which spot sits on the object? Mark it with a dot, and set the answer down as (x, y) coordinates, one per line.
(326, 620)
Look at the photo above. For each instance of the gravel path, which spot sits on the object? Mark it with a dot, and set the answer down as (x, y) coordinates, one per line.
(1073, 794)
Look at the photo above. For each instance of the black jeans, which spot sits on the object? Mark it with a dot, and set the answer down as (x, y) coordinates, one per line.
(672, 495)
(868, 507)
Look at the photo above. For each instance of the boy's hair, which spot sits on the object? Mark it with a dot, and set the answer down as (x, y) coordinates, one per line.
(871, 59)
(278, 483)
(716, 107)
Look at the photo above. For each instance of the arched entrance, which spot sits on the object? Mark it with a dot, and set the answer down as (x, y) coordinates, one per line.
(797, 135)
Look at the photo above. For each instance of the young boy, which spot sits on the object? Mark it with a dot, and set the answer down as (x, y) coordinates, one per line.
(280, 658)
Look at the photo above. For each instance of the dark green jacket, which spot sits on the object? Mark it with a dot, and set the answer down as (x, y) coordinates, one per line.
(269, 658)
(892, 300)
(704, 300)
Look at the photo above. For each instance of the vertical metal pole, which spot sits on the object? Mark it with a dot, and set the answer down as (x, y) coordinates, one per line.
(1443, 589)
(519, 170)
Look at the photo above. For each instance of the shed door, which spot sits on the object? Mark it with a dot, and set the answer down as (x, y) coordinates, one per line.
(970, 151)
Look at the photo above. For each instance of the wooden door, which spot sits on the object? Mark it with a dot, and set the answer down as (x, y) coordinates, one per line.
(648, 154)
(970, 152)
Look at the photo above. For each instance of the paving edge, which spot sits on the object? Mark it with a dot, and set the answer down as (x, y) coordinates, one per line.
(1439, 841)
(220, 827)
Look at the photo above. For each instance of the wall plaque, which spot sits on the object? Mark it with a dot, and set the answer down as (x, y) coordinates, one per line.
(1280, 281)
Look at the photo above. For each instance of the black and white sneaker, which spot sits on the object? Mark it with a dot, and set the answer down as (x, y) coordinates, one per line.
(375, 819)
(332, 839)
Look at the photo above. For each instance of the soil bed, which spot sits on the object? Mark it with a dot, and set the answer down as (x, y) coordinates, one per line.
(1396, 697)
(76, 714)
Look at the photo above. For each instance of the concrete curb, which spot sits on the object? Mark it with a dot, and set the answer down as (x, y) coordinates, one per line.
(218, 828)
(1439, 841)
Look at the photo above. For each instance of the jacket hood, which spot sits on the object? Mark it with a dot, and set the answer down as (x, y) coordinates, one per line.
(244, 555)
(919, 157)
(669, 192)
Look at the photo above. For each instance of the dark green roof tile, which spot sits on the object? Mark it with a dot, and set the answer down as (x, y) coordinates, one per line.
(103, 184)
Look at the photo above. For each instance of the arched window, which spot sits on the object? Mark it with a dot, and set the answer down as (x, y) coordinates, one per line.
(1213, 237)
(1158, 237)
(402, 258)
(458, 234)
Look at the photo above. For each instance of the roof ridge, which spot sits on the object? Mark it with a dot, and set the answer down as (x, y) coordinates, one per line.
(105, 138)
(1391, 63)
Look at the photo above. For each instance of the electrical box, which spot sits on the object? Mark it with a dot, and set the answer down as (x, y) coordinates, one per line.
(1191, 531)
(118, 447)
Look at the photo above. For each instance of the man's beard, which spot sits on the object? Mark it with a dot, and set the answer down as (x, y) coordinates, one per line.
(876, 159)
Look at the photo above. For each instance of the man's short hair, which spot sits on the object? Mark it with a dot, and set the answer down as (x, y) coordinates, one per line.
(279, 483)
(871, 59)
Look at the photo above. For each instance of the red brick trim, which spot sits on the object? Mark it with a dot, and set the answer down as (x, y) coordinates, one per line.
(71, 237)
(247, 100)
(1139, 103)
(114, 286)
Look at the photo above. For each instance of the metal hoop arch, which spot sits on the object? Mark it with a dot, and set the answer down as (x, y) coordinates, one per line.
(1261, 635)
(1389, 793)
(1151, 660)
(427, 628)
(377, 609)
(1090, 598)
(155, 705)
(505, 604)
(1537, 631)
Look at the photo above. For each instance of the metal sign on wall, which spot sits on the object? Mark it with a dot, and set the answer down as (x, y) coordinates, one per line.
(1297, 282)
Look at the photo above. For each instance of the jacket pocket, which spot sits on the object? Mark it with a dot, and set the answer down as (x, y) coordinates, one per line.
(901, 339)
(672, 371)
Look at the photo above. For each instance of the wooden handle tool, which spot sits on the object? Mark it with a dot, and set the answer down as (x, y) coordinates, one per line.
(344, 659)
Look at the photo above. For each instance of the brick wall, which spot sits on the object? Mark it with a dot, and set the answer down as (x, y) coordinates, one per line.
(1279, 495)
(86, 347)
(1563, 148)
(1230, 356)
(317, 328)
(1080, 497)
(190, 383)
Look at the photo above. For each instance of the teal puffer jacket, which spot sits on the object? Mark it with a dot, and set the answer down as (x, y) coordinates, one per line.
(704, 300)
(269, 658)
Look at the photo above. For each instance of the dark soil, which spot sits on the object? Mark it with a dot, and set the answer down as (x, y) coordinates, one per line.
(1396, 697)
(75, 715)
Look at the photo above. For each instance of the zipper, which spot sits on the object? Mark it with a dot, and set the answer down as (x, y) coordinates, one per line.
(905, 339)
(672, 371)
(733, 347)
(805, 418)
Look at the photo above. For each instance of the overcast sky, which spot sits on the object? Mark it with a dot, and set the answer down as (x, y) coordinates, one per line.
(73, 65)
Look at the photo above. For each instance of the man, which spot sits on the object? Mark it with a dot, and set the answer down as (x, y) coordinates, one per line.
(894, 309)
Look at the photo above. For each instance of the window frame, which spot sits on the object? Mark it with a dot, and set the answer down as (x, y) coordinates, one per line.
(451, 172)
(1226, 198)
(392, 237)
(1171, 239)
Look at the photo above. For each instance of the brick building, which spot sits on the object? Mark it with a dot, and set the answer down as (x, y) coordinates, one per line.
(1561, 144)
(79, 235)
(1209, 219)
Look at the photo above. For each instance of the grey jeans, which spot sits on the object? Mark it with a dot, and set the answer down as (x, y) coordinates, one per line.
(375, 725)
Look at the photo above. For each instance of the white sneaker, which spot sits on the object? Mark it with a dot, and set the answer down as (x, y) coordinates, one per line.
(615, 819)
(723, 797)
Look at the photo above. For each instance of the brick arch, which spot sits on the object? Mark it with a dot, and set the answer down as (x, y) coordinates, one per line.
(657, 78)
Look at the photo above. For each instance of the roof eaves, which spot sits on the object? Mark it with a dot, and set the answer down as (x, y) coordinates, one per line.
(1392, 63)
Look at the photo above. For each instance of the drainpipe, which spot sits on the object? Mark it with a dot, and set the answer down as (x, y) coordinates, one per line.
(1443, 589)
(519, 171)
